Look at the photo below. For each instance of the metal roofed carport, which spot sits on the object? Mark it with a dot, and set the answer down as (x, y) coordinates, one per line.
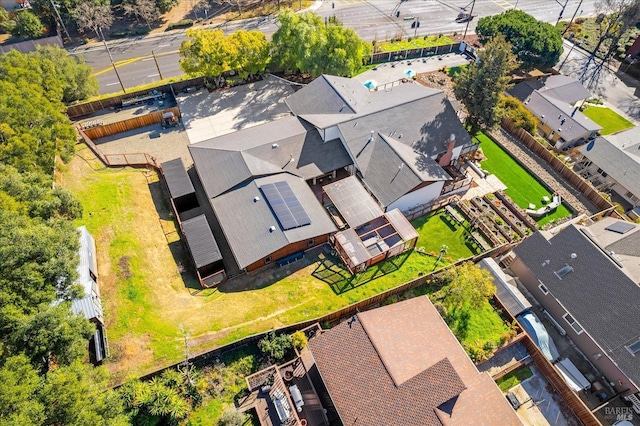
(354, 203)
(177, 178)
(506, 289)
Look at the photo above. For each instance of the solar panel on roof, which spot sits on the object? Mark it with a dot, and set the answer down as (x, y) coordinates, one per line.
(285, 205)
(620, 227)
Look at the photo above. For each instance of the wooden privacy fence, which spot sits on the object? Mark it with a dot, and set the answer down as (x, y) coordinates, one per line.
(79, 110)
(556, 380)
(129, 124)
(136, 159)
(558, 165)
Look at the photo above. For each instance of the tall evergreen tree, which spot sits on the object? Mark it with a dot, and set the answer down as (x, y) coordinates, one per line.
(479, 85)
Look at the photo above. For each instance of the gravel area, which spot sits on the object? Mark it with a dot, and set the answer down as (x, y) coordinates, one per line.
(544, 172)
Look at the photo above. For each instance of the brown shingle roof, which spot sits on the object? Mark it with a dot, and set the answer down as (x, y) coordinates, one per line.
(398, 364)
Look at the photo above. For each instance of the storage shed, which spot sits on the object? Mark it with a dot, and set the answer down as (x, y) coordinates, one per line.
(183, 195)
(204, 251)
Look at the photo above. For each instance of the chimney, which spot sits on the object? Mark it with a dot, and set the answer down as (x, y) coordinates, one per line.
(445, 160)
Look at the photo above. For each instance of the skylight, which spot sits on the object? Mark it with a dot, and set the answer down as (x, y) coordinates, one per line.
(562, 272)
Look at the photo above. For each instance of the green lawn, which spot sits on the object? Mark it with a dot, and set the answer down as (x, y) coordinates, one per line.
(453, 71)
(415, 43)
(435, 231)
(522, 187)
(150, 296)
(514, 378)
(610, 121)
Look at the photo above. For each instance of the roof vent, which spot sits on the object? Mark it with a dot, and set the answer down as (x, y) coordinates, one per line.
(562, 272)
(400, 136)
(573, 255)
(546, 262)
(256, 199)
(371, 137)
(272, 228)
(275, 145)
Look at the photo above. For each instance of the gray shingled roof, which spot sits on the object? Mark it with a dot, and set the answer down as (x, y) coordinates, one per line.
(177, 178)
(202, 244)
(563, 88)
(328, 94)
(226, 161)
(598, 293)
(552, 111)
(618, 164)
(246, 222)
(628, 141)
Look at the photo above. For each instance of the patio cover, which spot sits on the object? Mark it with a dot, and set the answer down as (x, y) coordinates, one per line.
(353, 202)
(400, 223)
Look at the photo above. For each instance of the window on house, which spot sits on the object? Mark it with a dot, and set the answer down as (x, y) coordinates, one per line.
(311, 242)
(573, 323)
(267, 260)
(602, 173)
(543, 288)
(93, 276)
(633, 348)
(587, 163)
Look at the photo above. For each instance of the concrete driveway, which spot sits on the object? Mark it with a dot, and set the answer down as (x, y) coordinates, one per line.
(207, 115)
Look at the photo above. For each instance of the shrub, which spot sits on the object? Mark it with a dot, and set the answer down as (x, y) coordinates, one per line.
(185, 23)
(519, 114)
(299, 340)
(140, 31)
(274, 346)
(119, 34)
(232, 417)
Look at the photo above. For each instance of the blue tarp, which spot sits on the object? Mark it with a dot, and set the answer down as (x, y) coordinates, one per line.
(535, 329)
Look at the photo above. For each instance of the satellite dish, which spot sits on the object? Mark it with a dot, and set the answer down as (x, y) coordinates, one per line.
(590, 145)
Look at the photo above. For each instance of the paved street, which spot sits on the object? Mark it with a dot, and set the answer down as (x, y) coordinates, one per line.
(374, 19)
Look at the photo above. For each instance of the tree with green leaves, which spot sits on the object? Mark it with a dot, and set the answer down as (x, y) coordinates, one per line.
(75, 75)
(210, 53)
(27, 25)
(480, 85)
(467, 284)
(275, 346)
(252, 52)
(536, 44)
(53, 335)
(303, 42)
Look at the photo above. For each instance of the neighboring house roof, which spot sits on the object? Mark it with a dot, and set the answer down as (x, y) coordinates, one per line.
(246, 223)
(401, 365)
(617, 163)
(599, 293)
(177, 178)
(628, 141)
(563, 88)
(202, 244)
(89, 304)
(226, 161)
(551, 101)
(563, 118)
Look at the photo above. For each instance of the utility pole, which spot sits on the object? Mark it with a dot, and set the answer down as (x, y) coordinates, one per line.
(106, 46)
(157, 66)
(464, 37)
(55, 9)
(561, 10)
